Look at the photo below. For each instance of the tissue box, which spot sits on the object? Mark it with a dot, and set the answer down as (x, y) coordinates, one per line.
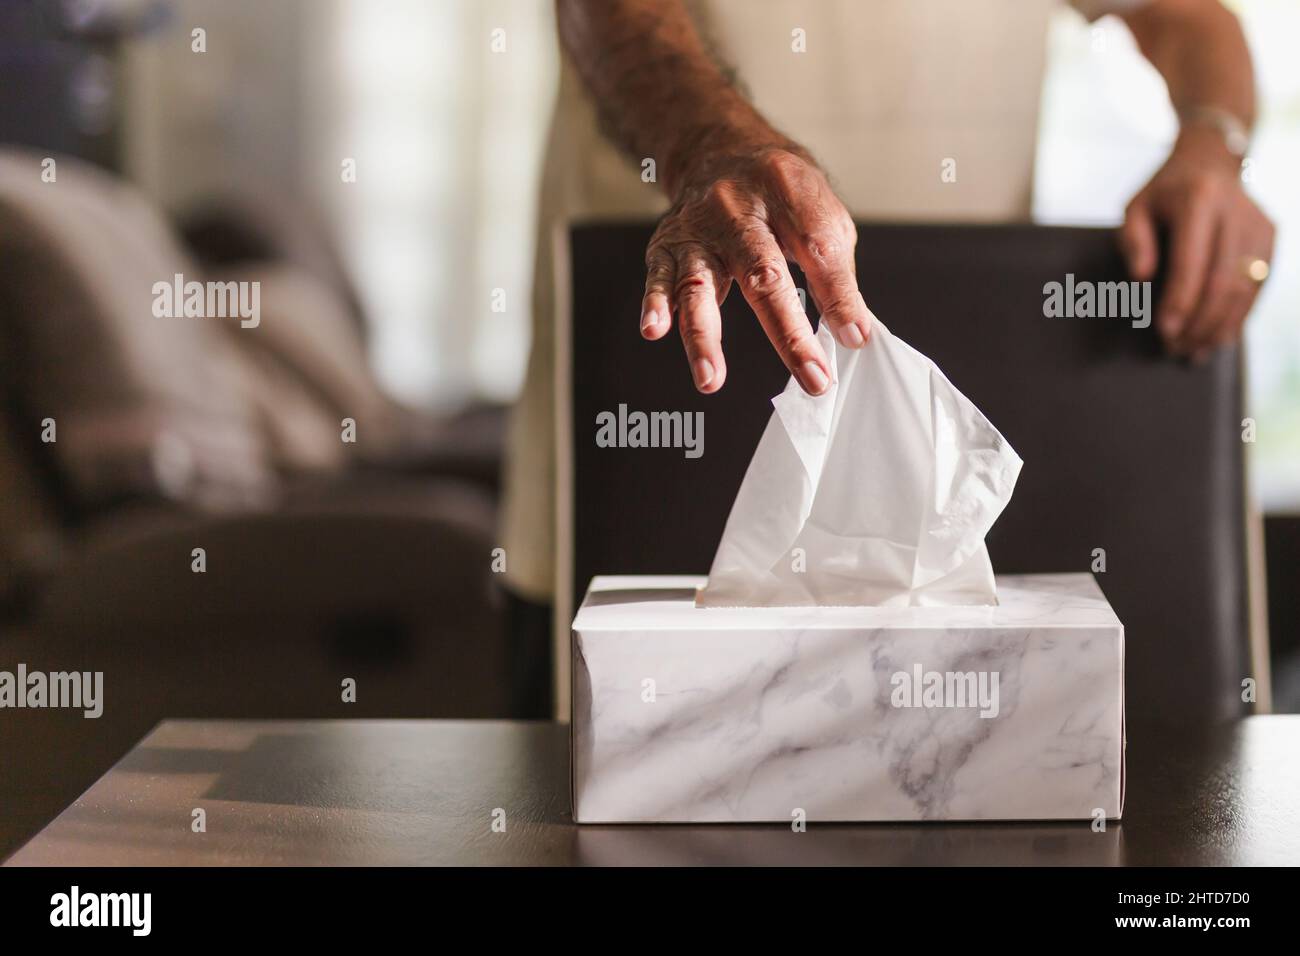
(684, 714)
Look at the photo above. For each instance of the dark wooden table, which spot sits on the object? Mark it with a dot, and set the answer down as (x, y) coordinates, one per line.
(425, 792)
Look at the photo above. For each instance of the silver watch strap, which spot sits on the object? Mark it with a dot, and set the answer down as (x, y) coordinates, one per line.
(1234, 132)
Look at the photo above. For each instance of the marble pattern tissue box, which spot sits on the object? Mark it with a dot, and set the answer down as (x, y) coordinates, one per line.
(688, 714)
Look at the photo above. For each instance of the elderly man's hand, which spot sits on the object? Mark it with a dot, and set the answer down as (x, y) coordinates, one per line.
(741, 217)
(1218, 239)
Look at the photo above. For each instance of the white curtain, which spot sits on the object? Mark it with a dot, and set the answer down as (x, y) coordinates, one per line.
(444, 106)
(445, 133)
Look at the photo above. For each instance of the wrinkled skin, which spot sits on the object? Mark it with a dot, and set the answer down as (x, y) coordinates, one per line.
(740, 220)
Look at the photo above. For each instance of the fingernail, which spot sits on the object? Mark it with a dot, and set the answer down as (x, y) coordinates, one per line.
(850, 337)
(1170, 323)
(649, 319)
(814, 379)
(703, 370)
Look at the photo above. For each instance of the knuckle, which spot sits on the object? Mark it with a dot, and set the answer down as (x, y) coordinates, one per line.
(785, 172)
(749, 238)
(781, 163)
(850, 230)
(693, 284)
(693, 258)
(659, 269)
(763, 278)
(722, 194)
(825, 248)
(657, 255)
(718, 189)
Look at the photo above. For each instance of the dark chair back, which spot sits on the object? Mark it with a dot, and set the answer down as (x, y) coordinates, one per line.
(1125, 450)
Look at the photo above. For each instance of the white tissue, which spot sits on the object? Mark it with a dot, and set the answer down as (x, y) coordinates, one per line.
(877, 492)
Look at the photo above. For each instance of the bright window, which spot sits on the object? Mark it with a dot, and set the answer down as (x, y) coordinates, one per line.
(1106, 126)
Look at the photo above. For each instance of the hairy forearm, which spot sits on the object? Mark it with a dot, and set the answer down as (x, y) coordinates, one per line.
(658, 91)
(1200, 50)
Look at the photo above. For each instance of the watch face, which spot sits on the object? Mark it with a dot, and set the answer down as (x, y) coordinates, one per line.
(1237, 141)
(1235, 135)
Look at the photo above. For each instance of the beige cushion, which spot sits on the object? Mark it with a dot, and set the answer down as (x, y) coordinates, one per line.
(143, 405)
(304, 370)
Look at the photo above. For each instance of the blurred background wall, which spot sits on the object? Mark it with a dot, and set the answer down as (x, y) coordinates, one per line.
(446, 135)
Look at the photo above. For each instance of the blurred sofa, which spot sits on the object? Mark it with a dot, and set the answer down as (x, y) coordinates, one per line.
(128, 440)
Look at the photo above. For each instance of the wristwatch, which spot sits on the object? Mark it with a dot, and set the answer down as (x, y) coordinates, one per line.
(1236, 137)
